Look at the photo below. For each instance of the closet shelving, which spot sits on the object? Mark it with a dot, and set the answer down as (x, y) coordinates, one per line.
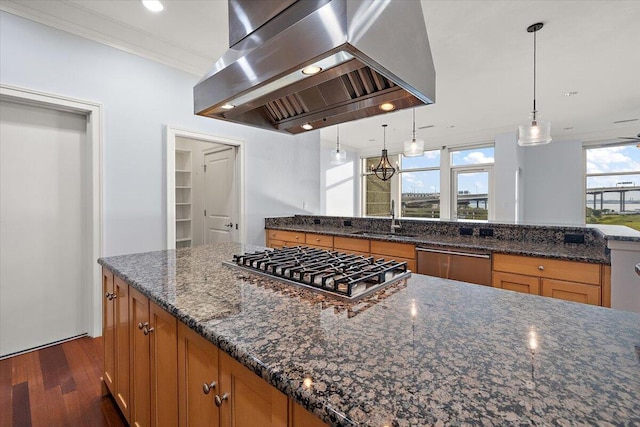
(183, 191)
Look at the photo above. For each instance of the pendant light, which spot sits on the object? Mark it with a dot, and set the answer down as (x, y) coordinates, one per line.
(338, 157)
(535, 131)
(414, 147)
(384, 170)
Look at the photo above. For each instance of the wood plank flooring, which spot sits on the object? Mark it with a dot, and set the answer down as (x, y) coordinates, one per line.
(57, 386)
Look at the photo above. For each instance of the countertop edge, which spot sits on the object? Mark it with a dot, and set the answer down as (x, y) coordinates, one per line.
(418, 241)
(274, 378)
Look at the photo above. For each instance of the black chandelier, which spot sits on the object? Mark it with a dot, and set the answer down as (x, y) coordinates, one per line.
(384, 170)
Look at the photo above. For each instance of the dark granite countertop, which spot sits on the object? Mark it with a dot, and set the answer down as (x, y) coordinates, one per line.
(462, 358)
(573, 252)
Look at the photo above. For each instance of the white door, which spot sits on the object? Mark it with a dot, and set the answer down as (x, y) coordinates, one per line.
(220, 202)
(42, 221)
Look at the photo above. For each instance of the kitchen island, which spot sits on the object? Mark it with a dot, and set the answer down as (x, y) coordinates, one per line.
(427, 351)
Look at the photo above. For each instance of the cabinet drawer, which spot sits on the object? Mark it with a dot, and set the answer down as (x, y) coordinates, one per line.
(516, 282)
(351, 244)
(569, 291)
(548, 268)
(319, 240)
(404, 250)
(286, 236)
(411, 263)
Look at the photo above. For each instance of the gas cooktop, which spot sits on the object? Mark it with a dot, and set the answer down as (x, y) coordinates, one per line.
(346, 276)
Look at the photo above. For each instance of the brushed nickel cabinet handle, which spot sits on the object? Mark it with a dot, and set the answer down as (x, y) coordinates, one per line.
(142, 325)
(206, 388)
(219, 399)
(146, 330)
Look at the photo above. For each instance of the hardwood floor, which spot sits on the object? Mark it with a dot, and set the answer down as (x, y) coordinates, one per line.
(57, 386)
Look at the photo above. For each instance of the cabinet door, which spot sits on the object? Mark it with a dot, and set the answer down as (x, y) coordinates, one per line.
(140, 369)
(164, 367)
(319, 241)
(516, 282)
(569, 291)
(197, 366)
(121, 314)
(248, 400)
(300, 417)
(109, 330)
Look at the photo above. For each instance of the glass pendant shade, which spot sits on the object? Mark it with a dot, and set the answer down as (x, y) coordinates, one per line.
(534, 132)
(413, 147)
(384, 170)
(338, 156)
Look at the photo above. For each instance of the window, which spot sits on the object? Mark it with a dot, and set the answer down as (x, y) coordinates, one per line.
(471, 183)
(420, 185)
(417, 184)
(377, 194)
(613, 185)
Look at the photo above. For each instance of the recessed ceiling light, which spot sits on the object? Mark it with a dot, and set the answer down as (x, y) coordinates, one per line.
(570, 93)
(387, 106)
(228, 107)
(153, 5)
(307, 126)
(311, 70)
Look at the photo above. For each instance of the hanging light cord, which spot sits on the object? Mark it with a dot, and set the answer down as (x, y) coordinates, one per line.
(414, 124)
(534, 76)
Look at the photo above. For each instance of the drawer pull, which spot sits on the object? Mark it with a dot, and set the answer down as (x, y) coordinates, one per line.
(541, 267)
(206, 388)
(219, 399)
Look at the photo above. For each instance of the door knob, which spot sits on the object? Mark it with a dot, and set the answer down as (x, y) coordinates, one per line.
(229, 225)
(219, 399)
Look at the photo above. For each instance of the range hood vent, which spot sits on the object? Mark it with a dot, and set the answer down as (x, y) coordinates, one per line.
(370, 53)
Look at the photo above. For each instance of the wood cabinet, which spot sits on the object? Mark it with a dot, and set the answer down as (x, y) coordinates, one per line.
(122, 346)
(398, 251)
(568, 280)
(216, 390)
(197, 380)
(162, 373)
(318, 241)
(109, 331)
(154, 369)
(351, 245)
(280, 238)
(246, 399)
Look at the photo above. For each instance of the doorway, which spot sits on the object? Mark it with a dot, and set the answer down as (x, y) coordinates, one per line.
(204, 189)
(50, 220)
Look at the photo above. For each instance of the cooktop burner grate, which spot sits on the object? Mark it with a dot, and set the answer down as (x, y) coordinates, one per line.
(346, 276)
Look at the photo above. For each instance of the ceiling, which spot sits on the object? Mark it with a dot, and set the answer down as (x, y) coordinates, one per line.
(481, 51)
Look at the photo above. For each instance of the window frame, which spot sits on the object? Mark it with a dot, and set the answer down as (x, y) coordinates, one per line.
(447, 170)
(586, 175)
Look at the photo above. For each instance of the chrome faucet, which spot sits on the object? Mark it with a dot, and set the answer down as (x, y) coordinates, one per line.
(395, 225)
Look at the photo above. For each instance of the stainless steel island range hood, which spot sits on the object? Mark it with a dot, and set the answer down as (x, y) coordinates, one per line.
(295, 65)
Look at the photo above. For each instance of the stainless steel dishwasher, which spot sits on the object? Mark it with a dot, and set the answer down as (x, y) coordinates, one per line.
(466, 266)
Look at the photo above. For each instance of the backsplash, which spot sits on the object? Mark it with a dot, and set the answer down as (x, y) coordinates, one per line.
(461, 230)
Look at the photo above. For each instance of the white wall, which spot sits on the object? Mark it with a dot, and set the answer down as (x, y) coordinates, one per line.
(508, 162)
(140, 98)
(339, 184)
(554, 183)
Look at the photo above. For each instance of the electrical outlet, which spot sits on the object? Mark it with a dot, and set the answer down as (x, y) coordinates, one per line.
(574, 238)
(347, 223)
(316, 221)
(466, 231)
(486, 232)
